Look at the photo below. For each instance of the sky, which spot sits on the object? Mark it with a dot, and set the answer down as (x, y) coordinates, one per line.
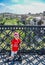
(22, 6)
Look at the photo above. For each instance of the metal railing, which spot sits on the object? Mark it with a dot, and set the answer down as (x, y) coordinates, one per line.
(33, 37)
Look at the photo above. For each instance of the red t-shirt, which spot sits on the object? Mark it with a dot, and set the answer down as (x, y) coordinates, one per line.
(15, 44)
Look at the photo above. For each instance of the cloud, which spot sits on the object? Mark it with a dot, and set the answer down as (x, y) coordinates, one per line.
(22, 1)
(2, 4)
(27, 1)
(33, 8)
(15, 0)
(24, 9)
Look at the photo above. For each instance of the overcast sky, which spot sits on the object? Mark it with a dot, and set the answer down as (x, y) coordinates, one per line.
(22, 6)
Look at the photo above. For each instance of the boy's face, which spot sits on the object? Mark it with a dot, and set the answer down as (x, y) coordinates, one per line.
(16, 36)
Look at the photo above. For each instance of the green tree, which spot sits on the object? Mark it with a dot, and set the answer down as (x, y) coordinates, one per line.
(40, 22)
(28, 19)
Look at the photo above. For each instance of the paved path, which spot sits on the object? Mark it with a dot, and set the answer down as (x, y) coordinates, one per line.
(26, 60)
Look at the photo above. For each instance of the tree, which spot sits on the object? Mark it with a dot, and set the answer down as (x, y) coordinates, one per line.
(28, 20)
(17, 20)
(2, 21)
(40, 22)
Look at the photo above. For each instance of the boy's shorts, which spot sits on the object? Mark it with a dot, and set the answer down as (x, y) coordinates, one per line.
(12, 53)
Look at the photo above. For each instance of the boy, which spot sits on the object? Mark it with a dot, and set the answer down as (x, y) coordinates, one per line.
(15, 44)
